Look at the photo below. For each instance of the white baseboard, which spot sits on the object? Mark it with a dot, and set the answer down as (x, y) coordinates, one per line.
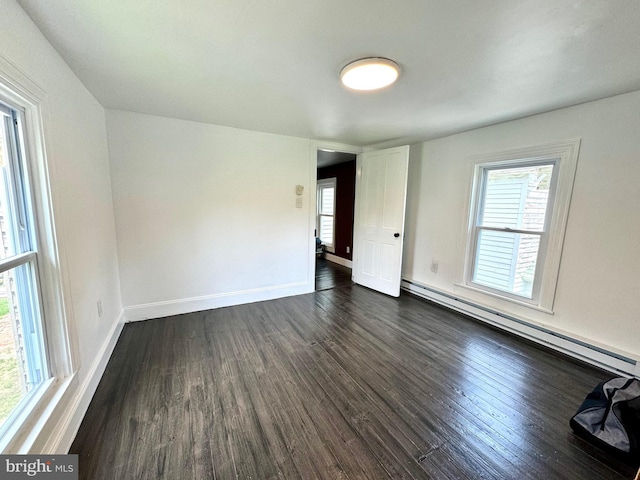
(559, 341)
(148, 311)
(67, 427)
(339, 260)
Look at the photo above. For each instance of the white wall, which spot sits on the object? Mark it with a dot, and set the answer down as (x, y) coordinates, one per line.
(598, 294)
(206, 215)
(76, 149)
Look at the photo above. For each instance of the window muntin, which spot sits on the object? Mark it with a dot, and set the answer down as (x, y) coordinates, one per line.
(326, 212)
(23, 358)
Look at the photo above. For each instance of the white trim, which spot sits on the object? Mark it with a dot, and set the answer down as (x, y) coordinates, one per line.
(339, 260)
(333, 146)
(69, 422)
(602, 356)
(500, 296)
(566, 155)
(311, 213)
(148, 311)
(16, 261)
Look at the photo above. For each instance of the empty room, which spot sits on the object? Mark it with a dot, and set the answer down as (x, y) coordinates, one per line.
(319, 239)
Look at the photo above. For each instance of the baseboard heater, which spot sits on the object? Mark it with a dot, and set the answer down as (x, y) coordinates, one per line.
(600, 357)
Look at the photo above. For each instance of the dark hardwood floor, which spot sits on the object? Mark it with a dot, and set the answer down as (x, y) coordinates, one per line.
(341, 383)
(331, 275)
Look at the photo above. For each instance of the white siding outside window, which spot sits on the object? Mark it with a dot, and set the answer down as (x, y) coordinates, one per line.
(510, 226)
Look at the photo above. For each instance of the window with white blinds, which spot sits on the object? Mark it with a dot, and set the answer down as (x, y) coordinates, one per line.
(326, 212)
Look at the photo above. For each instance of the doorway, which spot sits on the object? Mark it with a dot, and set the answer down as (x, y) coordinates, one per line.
(335, 204)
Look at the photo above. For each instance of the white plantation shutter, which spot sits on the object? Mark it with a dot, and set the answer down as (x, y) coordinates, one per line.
(326, 212)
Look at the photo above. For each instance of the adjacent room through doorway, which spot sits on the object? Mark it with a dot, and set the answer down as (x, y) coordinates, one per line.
(334, 218)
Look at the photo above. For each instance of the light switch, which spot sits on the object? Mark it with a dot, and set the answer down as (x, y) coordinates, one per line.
(298, 202)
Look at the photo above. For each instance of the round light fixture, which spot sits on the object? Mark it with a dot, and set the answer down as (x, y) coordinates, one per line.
(370, 73)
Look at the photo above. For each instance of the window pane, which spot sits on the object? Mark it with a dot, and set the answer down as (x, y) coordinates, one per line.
(23, 363)
(327, 195)
(326, 230)
(506, 261)
(516, 197)
(22, 358)
(14, 227)
(7, 246)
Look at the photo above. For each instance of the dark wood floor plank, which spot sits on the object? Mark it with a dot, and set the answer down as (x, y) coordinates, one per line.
(393, 378)
(394, 391)
(343, 383)
(348, 452)
(351, 350)
(331, 275)
(523, 423)
(372, 423)
(512, 427)
(241, 410)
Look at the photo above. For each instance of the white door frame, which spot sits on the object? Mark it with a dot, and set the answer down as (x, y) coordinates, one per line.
(316, 145)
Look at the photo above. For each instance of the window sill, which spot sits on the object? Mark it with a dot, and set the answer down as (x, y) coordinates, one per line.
(504, 298)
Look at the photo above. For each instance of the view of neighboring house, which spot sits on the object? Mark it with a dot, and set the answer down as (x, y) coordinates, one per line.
(514, 199)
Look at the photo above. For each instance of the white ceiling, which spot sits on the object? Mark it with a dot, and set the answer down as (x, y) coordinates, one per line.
(273, 66)
(327, 158)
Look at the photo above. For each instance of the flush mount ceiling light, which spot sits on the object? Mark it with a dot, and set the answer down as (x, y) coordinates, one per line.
(370, 73)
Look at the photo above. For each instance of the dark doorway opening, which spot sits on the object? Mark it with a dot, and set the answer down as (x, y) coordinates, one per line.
(336, 177)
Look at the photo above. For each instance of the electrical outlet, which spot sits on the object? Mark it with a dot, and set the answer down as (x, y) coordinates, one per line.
(99, 305)
(434, 266)
(298, 202)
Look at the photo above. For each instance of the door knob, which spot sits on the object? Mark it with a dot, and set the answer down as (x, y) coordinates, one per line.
(396, 235)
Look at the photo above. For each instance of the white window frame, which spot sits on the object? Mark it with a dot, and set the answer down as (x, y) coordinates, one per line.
(19, 435)
(564, 156)
(324, 183)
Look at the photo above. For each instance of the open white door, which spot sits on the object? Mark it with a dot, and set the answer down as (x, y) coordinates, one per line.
(381, 193)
